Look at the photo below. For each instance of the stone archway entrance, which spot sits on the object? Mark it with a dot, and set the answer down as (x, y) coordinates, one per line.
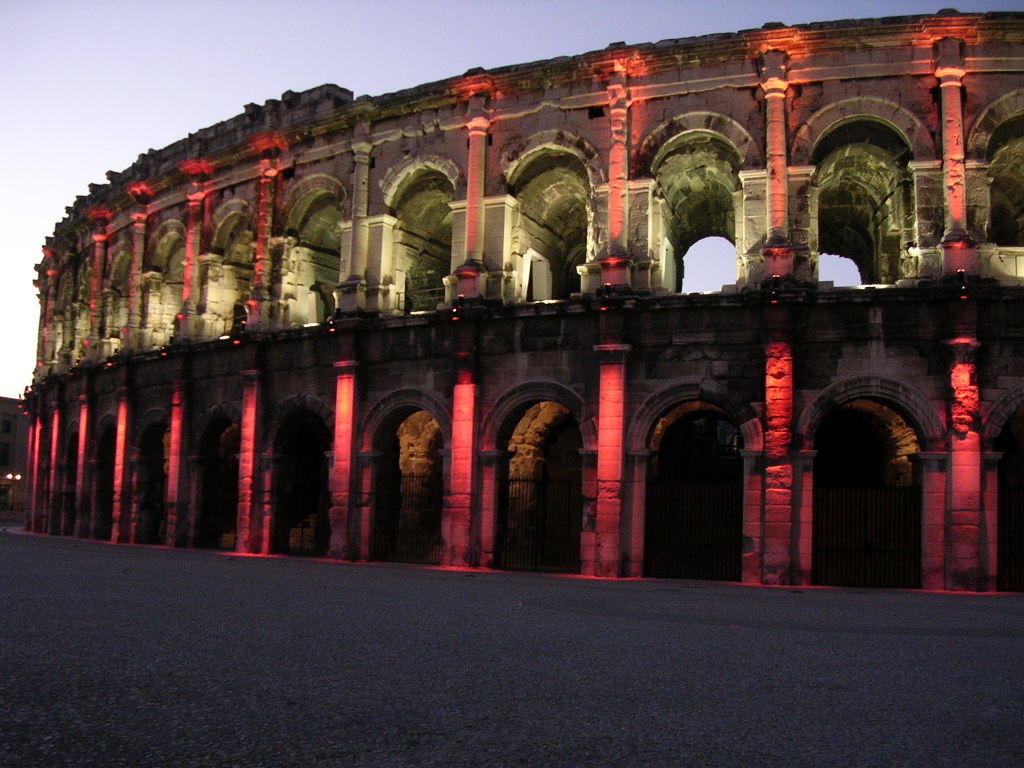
(867, 506)
(1010, 539)
(103, 512)
(410, 494)
(217, 515)
(540, 508)
(301, 498)
(694, 515)
(69, 502)
(152, 485)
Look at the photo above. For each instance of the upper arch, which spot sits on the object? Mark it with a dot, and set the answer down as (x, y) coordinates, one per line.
(403, 399)
(989, 119)
(518, 155)
(661, 138)
(900, 119)
(397, 175)
(523, 395)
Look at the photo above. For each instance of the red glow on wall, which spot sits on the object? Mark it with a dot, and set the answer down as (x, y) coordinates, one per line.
(268, 142)
(174, 452)
(100, 214)
(965, 397)
(247, 461)
(119, 456)
(778, 395)
(197, 168)
(140, 192)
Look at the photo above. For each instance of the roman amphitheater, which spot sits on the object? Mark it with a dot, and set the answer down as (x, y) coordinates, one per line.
(448, 325)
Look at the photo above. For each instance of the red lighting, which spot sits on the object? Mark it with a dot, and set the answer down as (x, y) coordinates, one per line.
(196, 167)
(268, 141)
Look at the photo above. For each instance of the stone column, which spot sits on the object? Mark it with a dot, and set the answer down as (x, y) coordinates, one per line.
(964, 468)
(175, 465)
(636, 478)
(259, 294)
(931, 475)
(247, 460)
(141, 194)
(958, 250)
(81, 493)
(803, 516)
(610, 441)
(988, 566)
(341, 467)
(54, 489)
(778, 496)
(352, 290)
(778, 253)
(48, 350)
(615, 261)
(199, 172)
(120, 531)
(467, 274)
(101, 218)
(32, 470)
(928, 207)
(489, 461)
(458, 511)
(751, 566)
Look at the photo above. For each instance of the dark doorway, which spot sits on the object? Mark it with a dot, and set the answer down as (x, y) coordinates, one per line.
(867, 509)
(694, 516)
(69, 502)
(301, 499)
(1010, 539)
(541, 495)
(103, 513)
(152, 486)
(218, 489)
(410, 494)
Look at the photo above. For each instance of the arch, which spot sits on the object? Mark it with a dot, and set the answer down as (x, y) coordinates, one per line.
(657, 404)
(905, 400)
(523, 395)
(999, 414)
(312, 186)
(396, 177)
(660, 139)
(157, 238)
(224, 410)
(900, 119)
(158, 415)
(298, 404)
(381, 412)
(520, 154)
(989, 119)
(225, 221)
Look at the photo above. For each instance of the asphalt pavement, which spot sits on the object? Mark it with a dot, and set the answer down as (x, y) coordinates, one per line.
(146, 656)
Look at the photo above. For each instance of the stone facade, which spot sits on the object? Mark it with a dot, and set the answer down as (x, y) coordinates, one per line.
(445, 325)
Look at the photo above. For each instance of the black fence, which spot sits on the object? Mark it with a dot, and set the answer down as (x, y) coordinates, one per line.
(408, 524)
(539, 525)
(694, 531)
(867, 537)
(1011, 539)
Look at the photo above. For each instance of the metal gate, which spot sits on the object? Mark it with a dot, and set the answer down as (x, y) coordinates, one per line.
(540, 525)
(693, 531)
(408, 525)
(867, 537)
(1011, 539)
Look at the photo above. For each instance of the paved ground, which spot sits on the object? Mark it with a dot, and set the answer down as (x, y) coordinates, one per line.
(137, 656)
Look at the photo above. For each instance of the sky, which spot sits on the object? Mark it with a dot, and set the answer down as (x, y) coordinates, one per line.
(89, 85)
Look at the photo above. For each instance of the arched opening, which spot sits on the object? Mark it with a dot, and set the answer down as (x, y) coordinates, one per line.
(1010, 539)
(838, 270)
(694, 515)
(867, 505)
(216, 518)
(312, 258)
(710, 264)
(540, 509)
(1006, 169)
(301, 497)
(423, 240)
(161, 301)
(553, 191)
(151, 482)
(103, 513)
(410, 494)
(69, 501)
(698, 176)
(226, 287)
(865, 198)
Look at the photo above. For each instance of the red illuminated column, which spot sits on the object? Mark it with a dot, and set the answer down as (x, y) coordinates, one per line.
(753, 494)
(958, 250)
(247, 460)
(610, 439)
(100, 217)
(174, 463)
(778, 255)
(488, 469)
(34, 435)
(965, 469)
(351, 292)
(142, 194)
(122, 531)
(455, 524)
(468, 273)
(341, 467)
(778, 494)
(52, 497)
(264, 224)
(81, 492)
(199, 172)
(615, 263)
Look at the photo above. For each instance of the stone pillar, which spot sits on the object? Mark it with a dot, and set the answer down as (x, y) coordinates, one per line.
(610, 440)
(989, 559)
(778, 495)
(964, 469)
(120, 530)
(81, 493)
(931, 476)
(802, 222)
(958, 250)
(778, 253)
(751, 220)
(259, 295)
(803, 516)
(247, 506)
(366, 501)
(615, 261)
(636, 479)
(263, 505)
(489, 461)
(928, 207)
(48, 350)
(176, 509)
(100, 217)
(467, 274)
(32, 470)
(380, 270)
(130, 333)
(751, 566)
(199, 172)
(458, 511)
(352, 290)
(341, 467)
(54, 489)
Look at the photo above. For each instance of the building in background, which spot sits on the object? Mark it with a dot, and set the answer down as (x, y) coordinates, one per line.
(13, 458)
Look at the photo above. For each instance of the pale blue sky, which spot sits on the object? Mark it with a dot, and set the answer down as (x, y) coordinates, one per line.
(89, 85)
